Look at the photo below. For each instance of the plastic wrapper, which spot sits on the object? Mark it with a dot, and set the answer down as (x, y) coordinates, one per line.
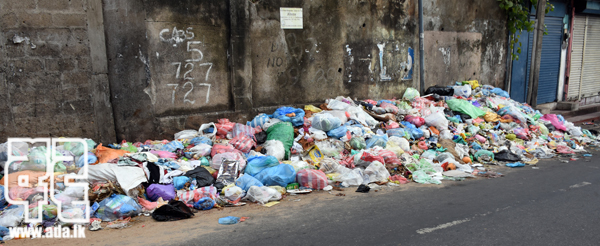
(117, 206)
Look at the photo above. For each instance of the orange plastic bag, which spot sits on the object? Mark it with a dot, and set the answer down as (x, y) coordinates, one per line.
(106, 154)
(13, 178)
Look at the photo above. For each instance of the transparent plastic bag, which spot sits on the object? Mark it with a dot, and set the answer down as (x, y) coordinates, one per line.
(377, 172)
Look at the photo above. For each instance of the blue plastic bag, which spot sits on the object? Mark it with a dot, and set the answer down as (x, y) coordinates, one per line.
(179, 182)
(229, 220)
(91, 159)
(172, 146)
(377, 140)
(398, 132)
(282, 175)
(516, 164)
(338, 132)
(245, 181)
(281, 114)
(259, 120)
(204, 203)
(500, 92)
(258, 163)
(201, 140)
(326, 122)
(117, 206)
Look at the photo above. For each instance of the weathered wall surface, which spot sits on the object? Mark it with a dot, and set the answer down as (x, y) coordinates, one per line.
(464, 40)
(53, 78)
(177, 64)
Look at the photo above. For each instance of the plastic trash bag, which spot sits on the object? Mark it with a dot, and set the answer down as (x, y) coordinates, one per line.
(229, 220)
(172, 146)
(358, 143)
(258, 163)
(91, 159)
(282, 175)
(234, 193)
(350, 177)
(516, 164)
(402, 142)
(417, 121)
(290, 114)
(179, 182)
(204, 203)
(117, 206)
(421, 177)
(500, 92)
(201, 149)
(167, 192)
(246, 181)
(410, 94)
(258, 120)
(506, 155)
(283, 132)
(208, 130)
(437, 120)
(440, 90)
(174, 210)
(328, 165)
(314, 179)
(338, 132)
(201, 175)
(377, 140)
(186, 134)
(243, 143)
(275, 148)
(326, 122)
(484, 156)
(377, 172)
(299, 165)
(465, 107)
(462, 91)
(12, 216)
(262, 194)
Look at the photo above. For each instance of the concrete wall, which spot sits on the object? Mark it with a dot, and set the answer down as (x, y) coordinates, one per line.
(174, 65)
(145, 69)
(53, 78)
(465, 40)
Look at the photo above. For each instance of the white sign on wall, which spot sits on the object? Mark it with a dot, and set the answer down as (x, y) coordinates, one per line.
(291, 18)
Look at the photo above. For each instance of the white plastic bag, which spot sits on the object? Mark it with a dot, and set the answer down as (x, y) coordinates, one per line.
(349, 177)
(402, 142)
(233, 193)
(207, 126)
(262, 194)
(438, 120)
(201, 149)
(463, 91)
(299, 165)
(12, 217)
(377, 172)
(317, 134)
(446, 134)
(186, 134)
(328, 165)
(275, 148)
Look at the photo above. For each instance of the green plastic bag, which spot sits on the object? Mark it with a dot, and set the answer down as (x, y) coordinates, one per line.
(284, 132)
(421, 177)
(410, 94)
(358, 143)
(484, 156)
(465, 107)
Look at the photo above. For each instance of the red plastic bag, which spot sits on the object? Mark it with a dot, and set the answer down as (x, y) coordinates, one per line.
(315, 179)
(243, 143)
(415, 120)
(392, 125)
(522, 133)
(220, 148)
(223, 127)
(390, 108)
(389, 157)
(243, 130)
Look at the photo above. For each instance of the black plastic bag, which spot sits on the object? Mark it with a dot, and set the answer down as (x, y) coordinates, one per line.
(174, 210)
(202, 176)
(261, 137)
(506, 155)
(440, 90)
(363, 189)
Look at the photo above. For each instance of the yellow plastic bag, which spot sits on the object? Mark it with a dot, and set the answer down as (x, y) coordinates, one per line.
(312, 108)
(491, 117)
(474, 84)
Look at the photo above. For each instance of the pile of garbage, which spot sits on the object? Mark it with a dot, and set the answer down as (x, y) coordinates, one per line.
(451, 133)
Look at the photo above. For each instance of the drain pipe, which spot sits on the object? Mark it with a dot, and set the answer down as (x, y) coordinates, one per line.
(421, 49)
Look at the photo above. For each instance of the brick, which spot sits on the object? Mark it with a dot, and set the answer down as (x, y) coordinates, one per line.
(53, 4)
(23, 110)
(55, 35)
(35, 19)
(28, 65)
(15, 50)
(45, 49)
(20, 4)
(69, 20)
(76, 50)
(60, 64)
(75, 79)
(9, 20)
(83, 64)
(78, 5)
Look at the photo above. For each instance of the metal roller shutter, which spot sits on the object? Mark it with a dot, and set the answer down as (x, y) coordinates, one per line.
(550, 62)
(576, 56)
(591, 62)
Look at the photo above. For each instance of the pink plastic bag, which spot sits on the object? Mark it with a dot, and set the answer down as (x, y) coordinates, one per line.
(164, 154)
(243, 143)
(416, 120)
(522, 133)
(243, 130)
(315, 179)
(392, 125)
(390, 108)
(224, 127)
(555, 121)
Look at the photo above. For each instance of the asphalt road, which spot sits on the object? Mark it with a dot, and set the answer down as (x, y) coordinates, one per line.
(557, 204)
